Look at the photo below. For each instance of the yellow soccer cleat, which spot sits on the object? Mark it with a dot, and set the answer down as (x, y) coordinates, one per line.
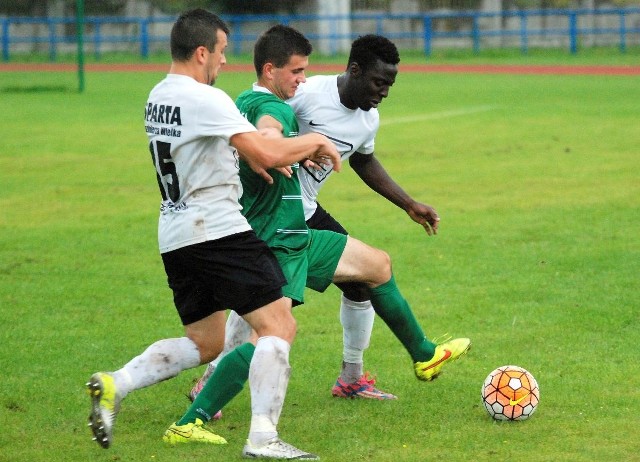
(445, 352)
(191, 433)
(105, 404)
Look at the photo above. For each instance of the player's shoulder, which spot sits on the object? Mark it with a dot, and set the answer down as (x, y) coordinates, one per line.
(256, 95)
(252, 98)
(189, 92)
(318, 82)
(317, 89)
(216, 92)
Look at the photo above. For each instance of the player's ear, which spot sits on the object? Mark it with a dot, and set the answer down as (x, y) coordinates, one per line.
(354, 69)
(267, 70)
(201, 54)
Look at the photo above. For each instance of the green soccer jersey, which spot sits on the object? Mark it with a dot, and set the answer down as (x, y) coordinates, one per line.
(275, 210)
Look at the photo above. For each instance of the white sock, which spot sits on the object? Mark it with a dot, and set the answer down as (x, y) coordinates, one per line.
(357, 324)
(237, 332)
(268, 378)
(161, 361)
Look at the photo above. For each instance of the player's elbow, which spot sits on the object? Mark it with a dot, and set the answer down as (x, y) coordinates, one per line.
(256, 149)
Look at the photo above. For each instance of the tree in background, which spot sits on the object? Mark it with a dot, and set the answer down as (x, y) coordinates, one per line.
(256, 6)
(228, 6)
(41, 7)
(117, 7)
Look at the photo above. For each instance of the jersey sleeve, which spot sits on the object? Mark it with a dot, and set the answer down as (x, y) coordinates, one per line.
(367, 147)
(279, 111)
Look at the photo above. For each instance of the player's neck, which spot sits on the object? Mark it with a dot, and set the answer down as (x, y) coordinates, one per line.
(342, 82)
(188, 69)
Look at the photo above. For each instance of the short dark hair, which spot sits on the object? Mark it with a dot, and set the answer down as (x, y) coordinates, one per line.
(277, 45)
(366, 50)
(195, 28)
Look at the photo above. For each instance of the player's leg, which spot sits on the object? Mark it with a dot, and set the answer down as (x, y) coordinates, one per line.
(161, 361)
(268, 379)
(204, 329)
(267, 397)
(357, 318)
(258, 298)
(277, 327)
(231, 373)
(237, 332)
(363, 263)
(227, 379)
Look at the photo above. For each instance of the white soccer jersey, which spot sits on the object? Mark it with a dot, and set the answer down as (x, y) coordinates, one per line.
(318, 109)
(189, 125)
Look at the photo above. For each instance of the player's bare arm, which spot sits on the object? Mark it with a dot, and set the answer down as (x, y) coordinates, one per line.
(271, 127)
(263, 153)
(371, 171)
(272, 153)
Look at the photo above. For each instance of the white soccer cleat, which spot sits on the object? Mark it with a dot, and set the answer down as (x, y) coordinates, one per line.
(276, 449)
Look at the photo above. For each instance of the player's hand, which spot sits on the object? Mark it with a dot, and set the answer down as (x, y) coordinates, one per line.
(308, 163)
(286, 171)
(426, 216)
(327, 154)
(259, 170)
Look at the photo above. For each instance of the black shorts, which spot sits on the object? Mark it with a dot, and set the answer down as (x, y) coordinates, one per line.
(238, 272)
(322, 220)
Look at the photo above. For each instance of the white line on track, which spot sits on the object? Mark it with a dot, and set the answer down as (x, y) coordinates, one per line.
(435, 115)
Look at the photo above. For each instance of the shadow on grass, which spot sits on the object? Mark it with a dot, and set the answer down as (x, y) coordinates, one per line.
(37, 89)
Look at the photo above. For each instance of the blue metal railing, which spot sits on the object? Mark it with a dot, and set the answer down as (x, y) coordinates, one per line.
(572, 32)
(471, 29)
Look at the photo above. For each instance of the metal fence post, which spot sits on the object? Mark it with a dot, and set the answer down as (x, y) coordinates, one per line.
(573, 32)
(476, 34)
(52, 39)
(524, 40)
(144, 38)
(97, 37)
(623, 32)
(427, 24)
(5, 40)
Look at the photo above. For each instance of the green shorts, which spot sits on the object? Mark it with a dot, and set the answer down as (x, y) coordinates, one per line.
(313, 266)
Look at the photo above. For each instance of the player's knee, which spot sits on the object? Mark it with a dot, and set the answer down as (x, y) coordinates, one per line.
(283, 325)
(209, 348)
(383, 266)
(288, 329)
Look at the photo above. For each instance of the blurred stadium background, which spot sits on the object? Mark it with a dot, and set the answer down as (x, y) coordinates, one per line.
(51, 28)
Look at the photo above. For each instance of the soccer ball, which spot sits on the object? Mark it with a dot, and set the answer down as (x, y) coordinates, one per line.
(510, 393)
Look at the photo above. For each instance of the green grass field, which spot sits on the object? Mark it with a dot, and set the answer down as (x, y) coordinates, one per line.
(584, 55)
(536, 179)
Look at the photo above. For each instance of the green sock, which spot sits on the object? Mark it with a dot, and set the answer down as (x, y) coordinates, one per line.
(226, 382)
(396, 313)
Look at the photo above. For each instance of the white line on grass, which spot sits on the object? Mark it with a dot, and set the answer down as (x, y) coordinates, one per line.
(435, 115)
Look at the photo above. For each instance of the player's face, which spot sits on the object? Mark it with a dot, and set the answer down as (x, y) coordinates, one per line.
(373, 85)
(216, 58)
(287, 78)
